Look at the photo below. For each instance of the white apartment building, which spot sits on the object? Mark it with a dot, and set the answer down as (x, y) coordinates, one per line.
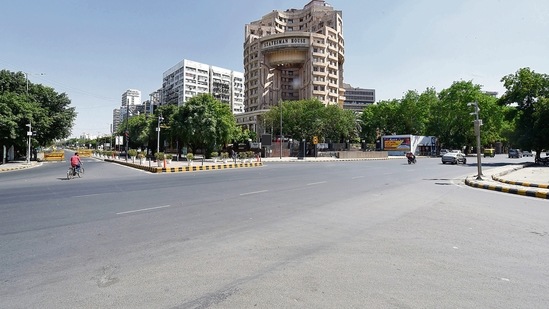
(131, 97)
(189, 78)
(131, 105)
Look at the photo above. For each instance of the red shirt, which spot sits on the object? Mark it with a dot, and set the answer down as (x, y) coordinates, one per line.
(75, 160)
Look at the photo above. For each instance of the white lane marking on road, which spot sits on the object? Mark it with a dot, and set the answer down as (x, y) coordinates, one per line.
(144, 209)
(316, 183)
(254, 192)
(357, 177)
(87, 195)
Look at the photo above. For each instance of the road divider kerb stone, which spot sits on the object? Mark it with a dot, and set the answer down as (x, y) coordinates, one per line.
(504, 185)
(192, 168)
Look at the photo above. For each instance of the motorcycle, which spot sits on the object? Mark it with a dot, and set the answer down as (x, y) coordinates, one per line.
(411, 158)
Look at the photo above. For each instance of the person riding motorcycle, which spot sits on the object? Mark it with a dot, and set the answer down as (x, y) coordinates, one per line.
(411, 157)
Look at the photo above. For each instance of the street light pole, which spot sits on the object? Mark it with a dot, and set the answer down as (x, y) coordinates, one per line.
(29, 134)
(281, 136)
(158, 132)
(27, 80)
(477, 124)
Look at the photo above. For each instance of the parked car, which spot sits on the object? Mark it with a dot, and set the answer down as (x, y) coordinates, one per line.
(515, 153)
(454, 158)
(443, 152)
(527, 153)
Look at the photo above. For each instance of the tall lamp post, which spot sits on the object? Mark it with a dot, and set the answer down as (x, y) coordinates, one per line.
(160, 118)
(477, 124)
(29, 134)
(27, 79)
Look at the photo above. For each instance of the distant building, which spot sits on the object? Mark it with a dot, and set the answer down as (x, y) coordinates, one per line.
(131, 105)
(358, 98)
(155, 99)
(491, 93)
(189, 78)
(116, 120)
(131, 97)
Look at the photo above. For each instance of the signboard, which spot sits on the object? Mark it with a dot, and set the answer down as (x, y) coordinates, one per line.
(396, 143)
(286, 42)
(315, 140)
(266, 139)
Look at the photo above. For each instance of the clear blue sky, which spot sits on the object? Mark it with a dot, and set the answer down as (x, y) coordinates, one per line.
(95, 50)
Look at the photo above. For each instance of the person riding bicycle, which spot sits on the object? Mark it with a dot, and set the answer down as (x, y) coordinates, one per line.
(75, 163)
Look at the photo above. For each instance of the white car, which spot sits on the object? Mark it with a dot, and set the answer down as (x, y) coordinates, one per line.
(454, 158)
(443, 152)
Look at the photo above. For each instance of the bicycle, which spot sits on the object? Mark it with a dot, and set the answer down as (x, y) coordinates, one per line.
(73, 172)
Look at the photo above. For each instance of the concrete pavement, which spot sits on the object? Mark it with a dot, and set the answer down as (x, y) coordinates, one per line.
(528, 179)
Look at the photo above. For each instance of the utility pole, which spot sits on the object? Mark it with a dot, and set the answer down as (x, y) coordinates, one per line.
(158, 132)
(29, 134)
(477, 123)
(281, 136)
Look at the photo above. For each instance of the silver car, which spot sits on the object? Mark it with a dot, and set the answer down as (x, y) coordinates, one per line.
(454, 158)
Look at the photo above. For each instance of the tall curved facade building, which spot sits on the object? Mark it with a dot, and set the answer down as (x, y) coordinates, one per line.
(294, 54)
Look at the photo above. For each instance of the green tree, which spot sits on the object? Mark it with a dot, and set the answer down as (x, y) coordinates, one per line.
(452, 119)
(167, 130)
(414, 109)
(243, 135)
(339, 125)
(47, 111)
(382, 118)
(304, 119)
(138, 129)
(526, 93)
(204, 123)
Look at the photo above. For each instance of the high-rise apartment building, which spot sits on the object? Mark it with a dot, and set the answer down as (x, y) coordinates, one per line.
(294, 54)
(116, 120)
(131, 97)
(131, 105)
(189, 78)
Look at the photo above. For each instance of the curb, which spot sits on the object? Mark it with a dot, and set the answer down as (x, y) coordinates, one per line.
(9, 169)
(505, 189)
(497, 178)
(311, 160)
(154, 169)
(524, 192)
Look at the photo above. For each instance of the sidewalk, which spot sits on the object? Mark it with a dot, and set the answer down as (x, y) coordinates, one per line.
(18, 165)
(528, 180)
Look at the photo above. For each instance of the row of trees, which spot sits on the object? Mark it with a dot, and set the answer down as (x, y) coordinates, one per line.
(307, 118)
(445, 115)
(518, 119)
(205, 124)
(202, 124)
(22, 103)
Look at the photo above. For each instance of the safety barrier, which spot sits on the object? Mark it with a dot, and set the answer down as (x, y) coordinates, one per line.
(54, 156)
